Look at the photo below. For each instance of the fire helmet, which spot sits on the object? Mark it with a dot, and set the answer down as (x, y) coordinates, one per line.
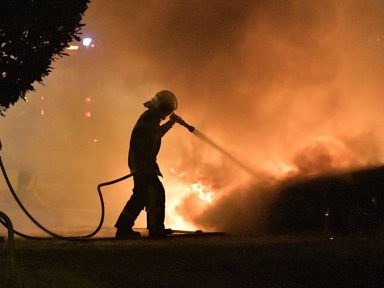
(164, 101)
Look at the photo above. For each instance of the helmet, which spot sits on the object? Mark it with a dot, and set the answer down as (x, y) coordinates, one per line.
(165, 101)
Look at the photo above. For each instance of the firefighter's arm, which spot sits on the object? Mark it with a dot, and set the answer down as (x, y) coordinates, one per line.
(166, 127)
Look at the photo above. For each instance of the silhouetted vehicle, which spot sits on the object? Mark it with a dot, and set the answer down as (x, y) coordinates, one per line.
(345, 203)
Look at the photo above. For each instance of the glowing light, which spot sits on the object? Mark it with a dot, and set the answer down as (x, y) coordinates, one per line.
(205, 196)
(87, 99)
(73, 47)
(182, 196)
(176, 192)
(42, 98)
(88, 114)
(178, 174)
(279, 169)
(87, 41)
(42, 112)
(95, 140)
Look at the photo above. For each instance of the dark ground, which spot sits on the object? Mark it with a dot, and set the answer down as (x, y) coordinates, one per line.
(216, 261)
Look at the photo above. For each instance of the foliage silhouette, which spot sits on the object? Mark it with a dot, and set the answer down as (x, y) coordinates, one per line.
(33, 33)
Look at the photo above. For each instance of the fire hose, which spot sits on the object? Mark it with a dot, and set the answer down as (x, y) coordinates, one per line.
(37, 223)
(6, 222)
(10, 240)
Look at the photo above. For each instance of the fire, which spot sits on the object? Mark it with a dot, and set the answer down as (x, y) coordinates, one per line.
(326, 153)
(201, 192)
(317, 155)
(178, 190)
(279, 169)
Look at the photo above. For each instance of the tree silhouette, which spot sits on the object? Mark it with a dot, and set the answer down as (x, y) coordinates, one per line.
(33, 33)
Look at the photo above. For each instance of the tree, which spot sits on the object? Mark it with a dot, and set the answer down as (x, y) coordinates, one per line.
(33, 33)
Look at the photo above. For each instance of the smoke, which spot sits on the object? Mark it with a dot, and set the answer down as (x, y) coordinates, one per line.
(289, 87)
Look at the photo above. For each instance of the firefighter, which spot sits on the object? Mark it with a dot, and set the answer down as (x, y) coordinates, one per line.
(148, 191)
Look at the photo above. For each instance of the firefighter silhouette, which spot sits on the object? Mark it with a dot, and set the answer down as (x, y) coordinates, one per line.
(148, 191)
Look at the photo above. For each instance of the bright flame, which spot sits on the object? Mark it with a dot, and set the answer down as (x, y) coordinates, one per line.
(200, 191)
(178, 189)
(279, 169)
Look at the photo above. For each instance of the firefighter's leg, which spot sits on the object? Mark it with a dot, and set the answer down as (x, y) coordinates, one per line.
(130, 212)
(156, 208)
(134, 205)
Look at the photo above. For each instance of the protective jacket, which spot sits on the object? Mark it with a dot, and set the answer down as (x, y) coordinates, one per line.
(146, 141)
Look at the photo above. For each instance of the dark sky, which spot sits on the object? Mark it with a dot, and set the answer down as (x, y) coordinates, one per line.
(286, 86)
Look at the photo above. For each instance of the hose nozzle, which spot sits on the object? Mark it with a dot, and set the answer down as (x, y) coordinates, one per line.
(179, 120)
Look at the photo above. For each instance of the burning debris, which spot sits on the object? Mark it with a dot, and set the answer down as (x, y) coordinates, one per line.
(338, 203)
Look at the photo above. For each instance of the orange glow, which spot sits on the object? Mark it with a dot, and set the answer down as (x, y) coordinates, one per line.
(288, 88)
(178, 189)
(279, 169)
(201, 192)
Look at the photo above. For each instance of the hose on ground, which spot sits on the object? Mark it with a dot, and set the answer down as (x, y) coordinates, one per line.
(37, 223)
(10, 240)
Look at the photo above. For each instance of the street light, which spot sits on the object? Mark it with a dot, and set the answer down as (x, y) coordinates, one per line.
(87, 41)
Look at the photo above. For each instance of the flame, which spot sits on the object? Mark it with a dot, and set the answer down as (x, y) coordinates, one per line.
(178, 189)
(201, 192)
(317, 155)
(279, 169)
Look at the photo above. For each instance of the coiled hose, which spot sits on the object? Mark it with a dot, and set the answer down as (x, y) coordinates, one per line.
(53, 234)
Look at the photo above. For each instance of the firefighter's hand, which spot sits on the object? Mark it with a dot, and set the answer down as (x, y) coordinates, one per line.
(174, 118)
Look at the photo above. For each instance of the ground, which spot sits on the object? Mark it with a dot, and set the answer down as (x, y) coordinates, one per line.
(215, 261)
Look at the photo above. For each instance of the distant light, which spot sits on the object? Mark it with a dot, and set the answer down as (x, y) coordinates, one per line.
(73, 47)
(95, 140)
(87, 99)
(42, 112)
(87, 41)
(42, 98)
(88, 114)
